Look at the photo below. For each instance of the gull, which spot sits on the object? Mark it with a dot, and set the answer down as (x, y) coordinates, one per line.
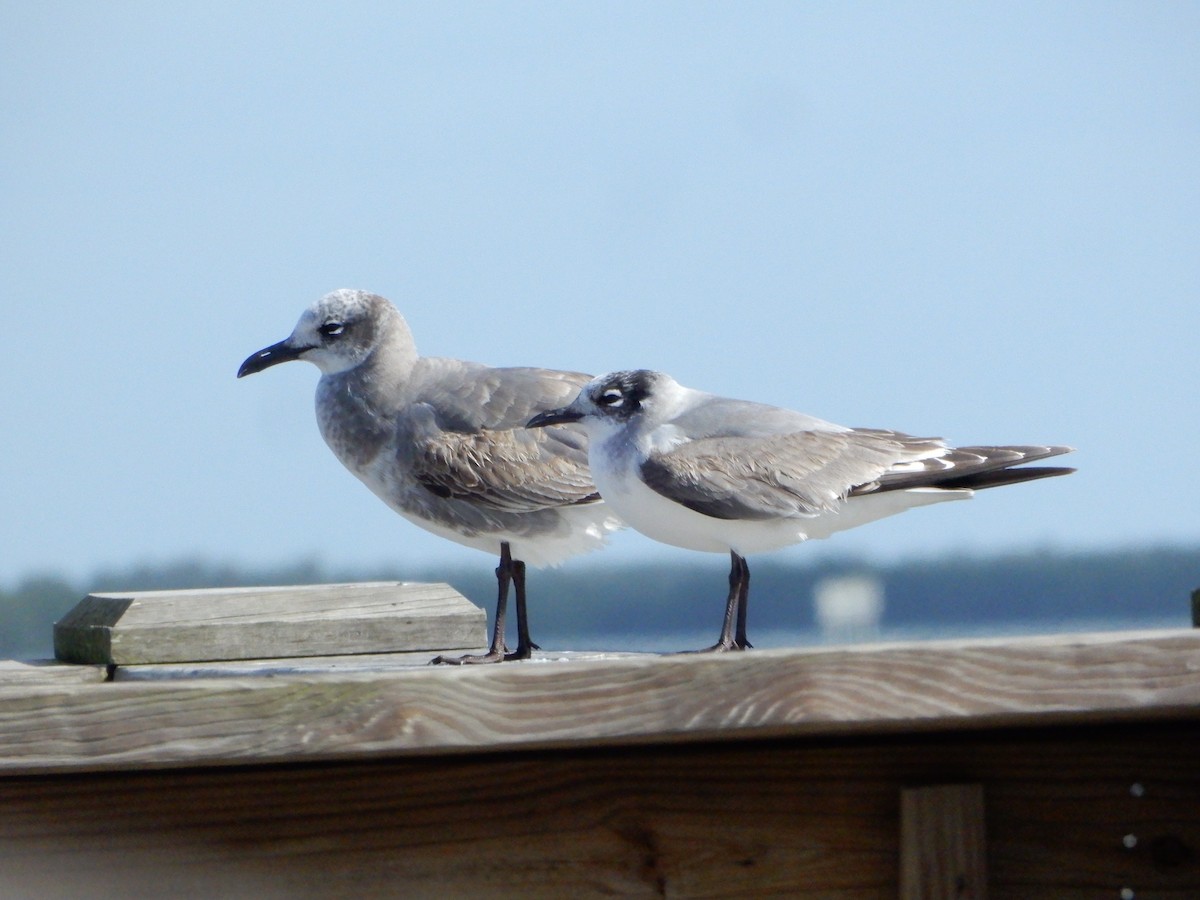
(442, 442)
(715, 474)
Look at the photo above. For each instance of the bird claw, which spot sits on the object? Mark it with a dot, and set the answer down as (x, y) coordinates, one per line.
(492, 656)
(722, 647)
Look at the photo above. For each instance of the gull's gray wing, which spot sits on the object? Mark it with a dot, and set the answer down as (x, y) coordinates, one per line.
(469, 396)
(712, 416)
(466, 439)
(787, 475)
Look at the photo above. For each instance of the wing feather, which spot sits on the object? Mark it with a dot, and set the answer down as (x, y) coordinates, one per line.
(799, 474)
(472, 445)
(969, 467)
(809, 472)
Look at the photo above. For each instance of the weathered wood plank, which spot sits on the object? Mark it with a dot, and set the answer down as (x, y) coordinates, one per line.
(813, 817)
(540, 703)
(942, 843)
(48, 671)
(257, 623)
(361, 663)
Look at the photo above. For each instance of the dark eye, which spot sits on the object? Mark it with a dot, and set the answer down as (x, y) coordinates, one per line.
(611, 397)
(332, 329)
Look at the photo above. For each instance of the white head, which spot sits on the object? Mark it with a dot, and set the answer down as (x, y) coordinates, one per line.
(616, 399)
(336, 334)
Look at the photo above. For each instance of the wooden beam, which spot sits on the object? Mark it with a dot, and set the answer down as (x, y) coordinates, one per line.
(942, 843)
(811, 817)
(267, 623)
(547, 702)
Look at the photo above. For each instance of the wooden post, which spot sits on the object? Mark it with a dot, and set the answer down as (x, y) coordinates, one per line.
(942, 843)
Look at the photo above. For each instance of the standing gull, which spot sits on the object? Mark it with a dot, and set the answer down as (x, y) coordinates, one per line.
(442, 442)
(709, 473)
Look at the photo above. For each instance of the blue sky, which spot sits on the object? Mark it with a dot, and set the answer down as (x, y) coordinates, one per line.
(980, 221)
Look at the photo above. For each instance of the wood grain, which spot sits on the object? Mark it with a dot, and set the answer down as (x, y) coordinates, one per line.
(787, 817)
(548, 703)
(46, 671)
(257, 623)
(943, 849)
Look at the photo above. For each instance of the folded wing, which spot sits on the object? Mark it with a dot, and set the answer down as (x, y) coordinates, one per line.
(806, 473)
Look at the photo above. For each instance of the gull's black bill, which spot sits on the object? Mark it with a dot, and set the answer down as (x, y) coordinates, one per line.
(270, 356)
(554, 417)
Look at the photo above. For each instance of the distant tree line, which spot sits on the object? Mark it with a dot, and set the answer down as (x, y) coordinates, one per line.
(639, 606)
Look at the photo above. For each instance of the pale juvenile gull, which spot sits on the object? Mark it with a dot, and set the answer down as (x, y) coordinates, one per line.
(719, 475)
(443, 443)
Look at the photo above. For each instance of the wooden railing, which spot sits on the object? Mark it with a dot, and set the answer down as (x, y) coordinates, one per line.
(1064, 766)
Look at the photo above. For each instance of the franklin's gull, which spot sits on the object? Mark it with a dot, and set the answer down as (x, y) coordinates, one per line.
(719, 475)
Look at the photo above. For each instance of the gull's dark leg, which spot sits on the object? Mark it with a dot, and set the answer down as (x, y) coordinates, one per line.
(735, 609)
(740, 641)
(496, 653)
(524, 644)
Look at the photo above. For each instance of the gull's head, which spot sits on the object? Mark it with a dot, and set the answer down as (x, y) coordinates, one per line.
(614, 400)
(337, 333)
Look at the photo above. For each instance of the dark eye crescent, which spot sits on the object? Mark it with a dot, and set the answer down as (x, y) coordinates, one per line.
(332, 329)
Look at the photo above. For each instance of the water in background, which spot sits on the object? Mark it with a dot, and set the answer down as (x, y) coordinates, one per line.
(588, 605)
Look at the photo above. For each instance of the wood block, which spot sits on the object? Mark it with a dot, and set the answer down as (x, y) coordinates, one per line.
(269, 622)
(942, 849)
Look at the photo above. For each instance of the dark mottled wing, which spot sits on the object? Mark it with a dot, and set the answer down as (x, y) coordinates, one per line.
(800, 474)
(470, 442)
